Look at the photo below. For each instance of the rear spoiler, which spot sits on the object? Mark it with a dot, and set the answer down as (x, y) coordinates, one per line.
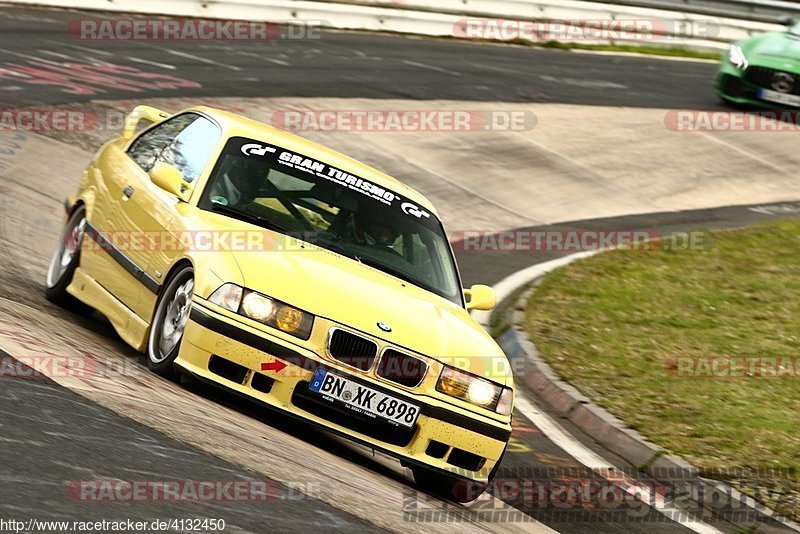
(140, 113)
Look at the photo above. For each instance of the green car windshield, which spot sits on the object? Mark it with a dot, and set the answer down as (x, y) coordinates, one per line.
(317, 203)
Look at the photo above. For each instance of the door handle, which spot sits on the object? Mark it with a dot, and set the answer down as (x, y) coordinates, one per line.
(127, 193)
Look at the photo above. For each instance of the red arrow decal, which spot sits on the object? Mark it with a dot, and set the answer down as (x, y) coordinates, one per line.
(277, 366)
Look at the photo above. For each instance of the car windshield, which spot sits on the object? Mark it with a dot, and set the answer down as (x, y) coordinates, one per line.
(313, 201)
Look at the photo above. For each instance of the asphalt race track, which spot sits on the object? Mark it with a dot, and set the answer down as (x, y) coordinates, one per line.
(137, 426)
(354, 65)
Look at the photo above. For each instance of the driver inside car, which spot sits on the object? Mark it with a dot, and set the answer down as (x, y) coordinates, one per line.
(369, 231)
(238, 184)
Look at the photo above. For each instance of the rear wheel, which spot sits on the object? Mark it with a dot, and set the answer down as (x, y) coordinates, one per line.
(169, 322)
(63, 263)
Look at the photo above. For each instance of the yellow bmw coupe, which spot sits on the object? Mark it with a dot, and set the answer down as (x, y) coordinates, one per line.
(291, 274)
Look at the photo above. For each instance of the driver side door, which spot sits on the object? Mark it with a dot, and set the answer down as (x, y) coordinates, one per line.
(139, 212)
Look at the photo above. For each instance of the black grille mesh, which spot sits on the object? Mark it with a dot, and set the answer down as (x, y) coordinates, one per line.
(352, 350)
(402, 369)
(762, 77)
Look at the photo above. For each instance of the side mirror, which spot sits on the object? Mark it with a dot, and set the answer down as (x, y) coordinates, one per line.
(140, 113)
(480, 297)
(170, 180)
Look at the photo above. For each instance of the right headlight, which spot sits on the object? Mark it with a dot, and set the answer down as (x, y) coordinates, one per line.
(475, 390)
(736, 57)
(264, 309)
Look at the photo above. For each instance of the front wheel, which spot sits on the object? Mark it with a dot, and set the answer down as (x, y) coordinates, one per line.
(63, 263)
(169, 322)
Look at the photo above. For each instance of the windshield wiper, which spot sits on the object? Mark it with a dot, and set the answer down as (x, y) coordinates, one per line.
(338, 249)
(331, 245)
(394, 272)
(249, 217)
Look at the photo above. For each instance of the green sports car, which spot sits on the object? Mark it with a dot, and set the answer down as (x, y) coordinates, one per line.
(763, 71)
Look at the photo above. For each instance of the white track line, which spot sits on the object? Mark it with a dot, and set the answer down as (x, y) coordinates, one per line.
(744, 152)
(554, 431)
(202, 59)
(87, 49)
(601, 466)
(512, 282)
(280, 62)
(58, 55)
(153, 63)
(431, 67)
(608, 185)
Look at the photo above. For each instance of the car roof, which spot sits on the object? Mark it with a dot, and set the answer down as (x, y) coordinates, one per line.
(238, 125)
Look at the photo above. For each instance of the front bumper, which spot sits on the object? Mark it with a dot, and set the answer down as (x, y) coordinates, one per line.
(735, 89)
(229, 353)
(742, 87)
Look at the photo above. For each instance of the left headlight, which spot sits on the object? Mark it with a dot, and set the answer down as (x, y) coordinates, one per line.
(736, 57)
(264, 309)
(475, 390)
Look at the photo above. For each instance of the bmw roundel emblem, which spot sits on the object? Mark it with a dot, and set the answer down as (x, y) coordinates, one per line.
(385, 327)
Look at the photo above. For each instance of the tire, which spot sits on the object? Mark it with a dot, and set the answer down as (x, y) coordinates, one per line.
(64, 261)
(447, 487)
(451, 488)
(169, 321)
(738, 106)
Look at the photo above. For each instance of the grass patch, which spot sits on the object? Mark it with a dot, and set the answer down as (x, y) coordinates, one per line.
(670, 51)
(651, 50)
(613, 324)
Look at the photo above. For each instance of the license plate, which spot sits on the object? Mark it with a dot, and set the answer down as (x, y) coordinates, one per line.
(363, 399)
(779, 98)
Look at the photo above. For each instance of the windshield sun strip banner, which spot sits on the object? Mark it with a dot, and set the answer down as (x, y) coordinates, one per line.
(299, 162)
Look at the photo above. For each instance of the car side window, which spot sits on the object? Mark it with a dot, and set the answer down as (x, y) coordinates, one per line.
(191, 149)
(148, 146)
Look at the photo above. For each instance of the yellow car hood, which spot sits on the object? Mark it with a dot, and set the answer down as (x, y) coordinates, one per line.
(358, 296)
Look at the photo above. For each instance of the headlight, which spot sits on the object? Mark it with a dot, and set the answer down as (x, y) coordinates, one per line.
(289, 319)
(228, 296)
(264, 309)
(475, 390)
(506, 402)
(736, 57)
(481, 393)
(257, 307)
